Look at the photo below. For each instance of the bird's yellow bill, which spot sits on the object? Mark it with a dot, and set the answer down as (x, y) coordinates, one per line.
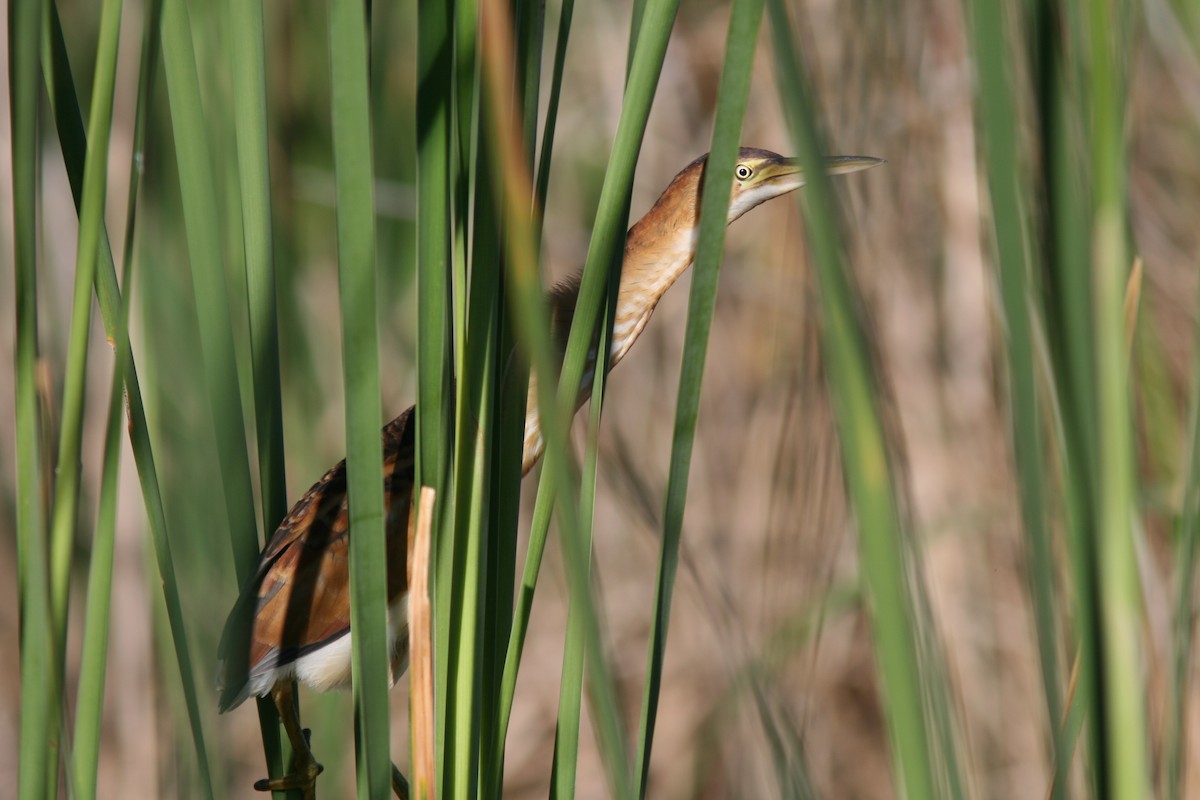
(834, 165)
(844, 165)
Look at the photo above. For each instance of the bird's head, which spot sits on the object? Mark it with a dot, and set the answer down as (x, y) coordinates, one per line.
(760, 175)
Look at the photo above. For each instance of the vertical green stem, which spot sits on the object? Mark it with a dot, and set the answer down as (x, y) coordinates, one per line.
(884, 559)
(92, 661)
(998, 108)
(1117, 577)
(95, 184)
(248, 56)
(744, 23)
(38, 757)
(357, 284)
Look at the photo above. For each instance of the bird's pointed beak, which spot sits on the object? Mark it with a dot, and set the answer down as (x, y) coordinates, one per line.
(834, 165)
(844, 165)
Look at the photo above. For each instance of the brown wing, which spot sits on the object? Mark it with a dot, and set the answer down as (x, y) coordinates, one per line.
(299, 598)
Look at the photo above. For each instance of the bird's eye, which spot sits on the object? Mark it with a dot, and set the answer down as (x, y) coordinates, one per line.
(743, 172)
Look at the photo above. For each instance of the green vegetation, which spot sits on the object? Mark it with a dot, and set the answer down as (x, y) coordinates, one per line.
(335, 210)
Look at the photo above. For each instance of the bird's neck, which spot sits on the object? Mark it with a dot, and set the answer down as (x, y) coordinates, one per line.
(654, 260)
(657, 252)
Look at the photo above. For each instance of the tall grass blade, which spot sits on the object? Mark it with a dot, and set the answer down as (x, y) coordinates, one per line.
(1064, 239)
(435, 55)
(570, 693)
(357, 284)
(539, 528)
(95, 183)
(1117, 577)
(509, 437)
(64, 103)
(435, 191)
(247, 52)
(475, 419)
(543, 506)
(93, 660)
(612, 215)
(464, 179)
(565, 14)
(884, 559)
(530, 316)
(200, 212)
(248, 61)
(998, 107)
(89, 703)
(529, 22)
(38, 755)
(744, 23)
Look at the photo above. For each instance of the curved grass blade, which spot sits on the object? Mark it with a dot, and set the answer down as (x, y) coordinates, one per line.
(357, 284)
(734, 88)
(37, 760)
(885, 562)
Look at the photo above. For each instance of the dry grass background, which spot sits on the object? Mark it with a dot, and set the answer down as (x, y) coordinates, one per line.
(768, 546)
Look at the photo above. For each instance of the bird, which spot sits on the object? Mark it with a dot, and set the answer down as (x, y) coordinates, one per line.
(291, 621)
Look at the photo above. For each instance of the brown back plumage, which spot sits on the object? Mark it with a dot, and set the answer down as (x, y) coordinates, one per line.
(299, 597)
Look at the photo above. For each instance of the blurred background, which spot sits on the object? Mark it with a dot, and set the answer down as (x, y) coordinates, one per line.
(769, 668)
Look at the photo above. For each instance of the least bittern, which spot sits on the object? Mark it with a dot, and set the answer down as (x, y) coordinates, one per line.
(292, 620)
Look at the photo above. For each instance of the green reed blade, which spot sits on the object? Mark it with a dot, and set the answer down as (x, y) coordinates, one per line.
(1116, 563)
(570, 694)
(94, 657)
(200, 211)
(38, 755)
(95, 184)
(884, 560)
(69, 124)
(248, 62)
(734, 88)
(998, 107)
(92, 661)
(565, 15)
(435, 189)
(357, 283)
(530, 315)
